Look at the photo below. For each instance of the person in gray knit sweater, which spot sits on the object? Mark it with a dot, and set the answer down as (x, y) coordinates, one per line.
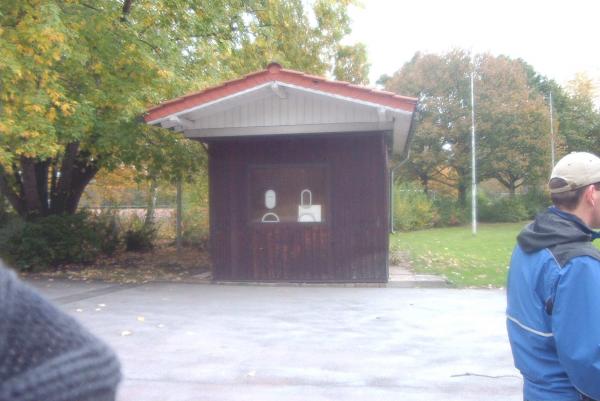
(45, 355)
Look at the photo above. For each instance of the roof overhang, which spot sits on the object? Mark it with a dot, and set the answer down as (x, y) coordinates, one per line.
(284, 102)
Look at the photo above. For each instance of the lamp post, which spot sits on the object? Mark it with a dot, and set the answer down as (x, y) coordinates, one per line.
(552, 143)
(473, 154)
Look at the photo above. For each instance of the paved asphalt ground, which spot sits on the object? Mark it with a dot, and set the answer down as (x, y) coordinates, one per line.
(183, 342)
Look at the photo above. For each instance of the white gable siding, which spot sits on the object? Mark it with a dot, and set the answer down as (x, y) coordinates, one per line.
(282, 109)
(296, 109)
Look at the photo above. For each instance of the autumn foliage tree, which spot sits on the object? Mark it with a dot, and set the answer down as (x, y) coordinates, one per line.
(351, 64)
(579, 118)
(511, 118)
(576, 115)
(441, 146)
(75, 76)
(513, 124)
(73, 79)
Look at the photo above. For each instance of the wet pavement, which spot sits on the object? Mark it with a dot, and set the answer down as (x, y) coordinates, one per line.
(181, 342)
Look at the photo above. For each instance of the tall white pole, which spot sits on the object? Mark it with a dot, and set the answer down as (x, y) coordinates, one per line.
(552, 144)
(473, 159)
(178, 216)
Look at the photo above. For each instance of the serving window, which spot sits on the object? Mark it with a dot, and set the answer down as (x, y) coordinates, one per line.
(288, 194)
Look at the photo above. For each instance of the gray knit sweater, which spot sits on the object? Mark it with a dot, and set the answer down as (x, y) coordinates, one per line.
(45, 355)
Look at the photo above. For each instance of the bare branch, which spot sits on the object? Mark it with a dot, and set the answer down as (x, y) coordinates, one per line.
(91, 7)
(441, 182)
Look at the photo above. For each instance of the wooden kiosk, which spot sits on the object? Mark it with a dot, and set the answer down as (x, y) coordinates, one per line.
(299, 174)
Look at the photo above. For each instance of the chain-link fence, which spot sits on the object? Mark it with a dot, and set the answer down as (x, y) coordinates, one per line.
(155, 204)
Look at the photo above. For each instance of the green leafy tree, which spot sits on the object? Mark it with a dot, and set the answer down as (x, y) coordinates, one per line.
(441, 148)
(383, 80)
(511, 119)
(351, 64)
(512, 124)
(580, 118)
(73, 81)
(576, 117)
(297, 34)
(75, 77)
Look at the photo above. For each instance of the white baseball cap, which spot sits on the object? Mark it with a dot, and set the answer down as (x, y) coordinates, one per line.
(577, 169)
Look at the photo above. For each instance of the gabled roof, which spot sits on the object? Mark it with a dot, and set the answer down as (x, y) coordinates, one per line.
(277, 101)
(275, 73)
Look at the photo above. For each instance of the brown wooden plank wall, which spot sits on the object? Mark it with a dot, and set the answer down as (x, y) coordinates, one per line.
(350, 246)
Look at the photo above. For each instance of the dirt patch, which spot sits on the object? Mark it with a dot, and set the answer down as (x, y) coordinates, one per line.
(162, 263)
(401, 259)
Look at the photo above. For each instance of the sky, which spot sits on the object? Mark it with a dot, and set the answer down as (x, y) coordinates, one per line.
(559, 38)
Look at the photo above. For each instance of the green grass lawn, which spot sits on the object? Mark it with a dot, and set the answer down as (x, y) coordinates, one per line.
(464, 259)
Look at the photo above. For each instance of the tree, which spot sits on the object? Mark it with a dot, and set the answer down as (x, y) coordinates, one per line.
(383, 80)
(441, 146)
(512, 121)
(580, 118)
(351, 64)
(282, 31)
(512, 124)
(576, 117)
(75, 77)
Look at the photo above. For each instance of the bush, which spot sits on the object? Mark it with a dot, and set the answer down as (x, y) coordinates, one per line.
(10, 228)
(195, 230)
(507, 209)
(413, 210)
(450, 212)
(52, 240)
(140, 237)
(535, 201)
(106, 224)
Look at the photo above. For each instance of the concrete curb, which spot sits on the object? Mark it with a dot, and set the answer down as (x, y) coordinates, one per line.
(415, 282)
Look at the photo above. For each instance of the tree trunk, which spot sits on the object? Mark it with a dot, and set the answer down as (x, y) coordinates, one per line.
(64, 183)
(36, 188)
(82, 175)
(3, 211)
(462, 193)
(512, 189)
(53, 178)
(126, 9)
(41, 178)
(31, 195)
(425, 183)
(152, 196)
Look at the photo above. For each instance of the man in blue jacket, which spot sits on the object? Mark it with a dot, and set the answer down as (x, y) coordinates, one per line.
(553, 311)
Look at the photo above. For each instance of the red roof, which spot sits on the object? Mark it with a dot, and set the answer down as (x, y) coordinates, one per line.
(275, 72)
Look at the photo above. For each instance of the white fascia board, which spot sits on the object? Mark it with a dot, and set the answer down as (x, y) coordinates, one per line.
(175, 121)
(281, 84)
(207, 133)
(345, 98)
